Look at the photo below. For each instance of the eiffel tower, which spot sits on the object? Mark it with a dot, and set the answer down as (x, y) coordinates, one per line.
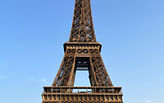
(82, 52)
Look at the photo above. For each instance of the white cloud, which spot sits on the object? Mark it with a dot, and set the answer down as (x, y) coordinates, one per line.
(44, 81)
(148, 101)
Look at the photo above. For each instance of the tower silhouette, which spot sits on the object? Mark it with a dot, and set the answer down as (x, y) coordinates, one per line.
(82, 53)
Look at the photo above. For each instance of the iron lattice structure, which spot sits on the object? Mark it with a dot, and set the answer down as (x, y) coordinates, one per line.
(82, 52)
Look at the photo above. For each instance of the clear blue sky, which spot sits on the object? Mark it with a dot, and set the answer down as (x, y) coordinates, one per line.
(32, 33)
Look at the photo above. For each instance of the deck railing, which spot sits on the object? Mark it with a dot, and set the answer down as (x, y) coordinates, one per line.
(67, 89)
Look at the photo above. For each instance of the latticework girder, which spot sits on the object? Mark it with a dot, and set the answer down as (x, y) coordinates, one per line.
(89, 54)
(82, 26)
(82, 50)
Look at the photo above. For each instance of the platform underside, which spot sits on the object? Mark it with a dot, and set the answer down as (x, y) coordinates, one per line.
(82, 98)
(87, 95)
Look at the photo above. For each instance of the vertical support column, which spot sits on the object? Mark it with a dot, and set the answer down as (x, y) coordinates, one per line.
(93, 76)
(64, 72)
(72, 74)
(100, 71)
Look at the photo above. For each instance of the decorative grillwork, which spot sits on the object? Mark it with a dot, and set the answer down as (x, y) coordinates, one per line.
(87, 95)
